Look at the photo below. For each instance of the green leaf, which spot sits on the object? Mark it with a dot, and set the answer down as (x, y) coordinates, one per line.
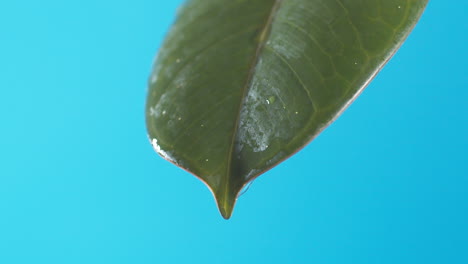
(240, 85)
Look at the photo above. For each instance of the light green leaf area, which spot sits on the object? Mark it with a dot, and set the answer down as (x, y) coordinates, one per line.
(240, 85)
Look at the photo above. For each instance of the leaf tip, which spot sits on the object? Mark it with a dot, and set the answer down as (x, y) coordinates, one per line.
(226, 212)
(225, 204)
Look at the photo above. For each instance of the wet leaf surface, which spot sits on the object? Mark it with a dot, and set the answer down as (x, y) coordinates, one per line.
(240, 85)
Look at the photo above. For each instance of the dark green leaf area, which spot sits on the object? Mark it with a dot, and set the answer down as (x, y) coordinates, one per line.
(240, 85)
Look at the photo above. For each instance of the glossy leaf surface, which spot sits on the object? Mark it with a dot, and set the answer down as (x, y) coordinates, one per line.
(240, 85)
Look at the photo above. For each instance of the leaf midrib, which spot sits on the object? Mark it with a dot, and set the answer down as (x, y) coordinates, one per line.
(263, 37)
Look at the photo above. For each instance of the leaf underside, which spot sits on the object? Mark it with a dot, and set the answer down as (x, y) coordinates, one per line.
(240, 85)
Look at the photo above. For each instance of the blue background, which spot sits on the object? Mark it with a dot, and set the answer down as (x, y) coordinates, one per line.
(80, 183)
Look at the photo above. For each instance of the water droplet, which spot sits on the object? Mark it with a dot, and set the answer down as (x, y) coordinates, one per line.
(164, 112)
(297, 112)
(399, 7)
(207, 160)
(355, 63)
(167, 155)
(180, 118)
(272, 99)
(245, 189)
(178, 61)
(202, 125)
(268, 101)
